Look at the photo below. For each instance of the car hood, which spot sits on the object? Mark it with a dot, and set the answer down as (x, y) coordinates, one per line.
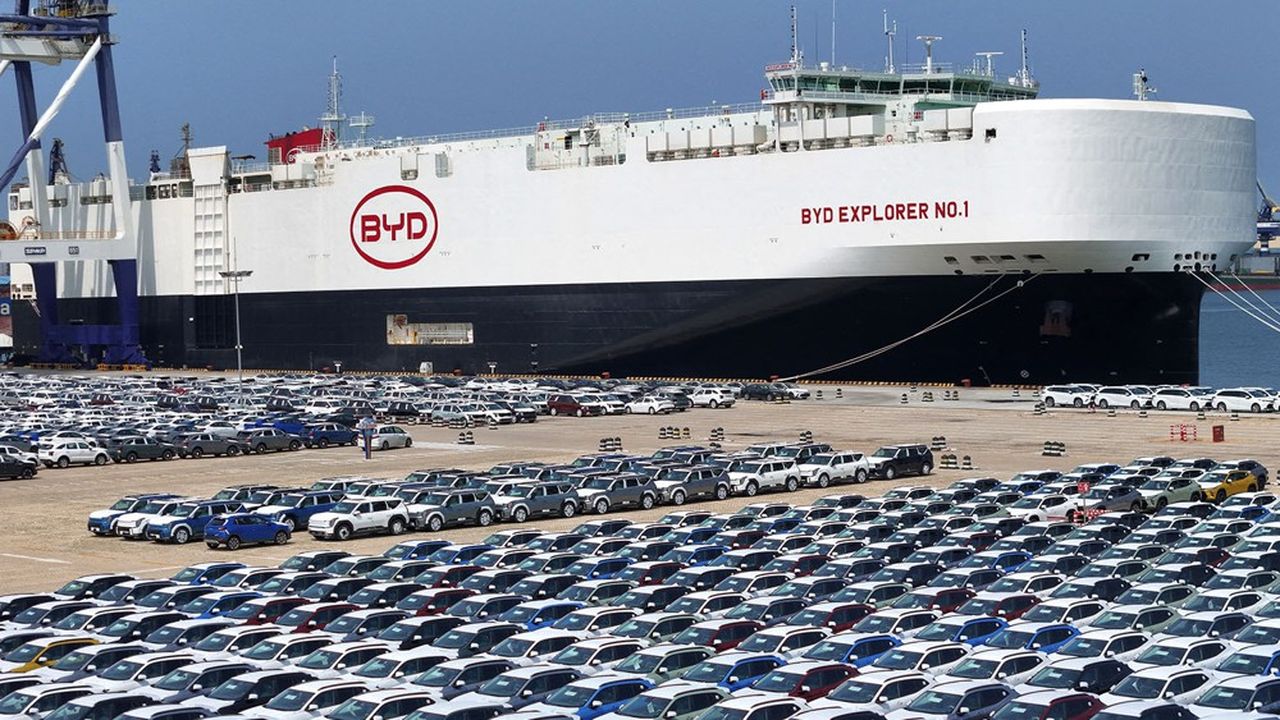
(129, 518)
(270, 509)
(103, 514)
(324, 517)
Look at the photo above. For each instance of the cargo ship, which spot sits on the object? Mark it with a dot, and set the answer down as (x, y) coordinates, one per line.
(921, 223)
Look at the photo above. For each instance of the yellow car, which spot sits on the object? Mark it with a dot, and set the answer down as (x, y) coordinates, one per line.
(1218, 485)
(40, 653)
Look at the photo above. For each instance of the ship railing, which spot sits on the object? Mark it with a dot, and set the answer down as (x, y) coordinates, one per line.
(546, 125)
(66, 235)
(920, 68)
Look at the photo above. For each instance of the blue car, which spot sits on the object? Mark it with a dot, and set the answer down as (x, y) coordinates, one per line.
(967, 629)
(856, 649)
(539, 613)
(217, 604)
(188, 521)
(733, 670)
(592, 568)
(1005, 560)
(326, 434)
(238, 529)
(103, 522)
(204, 573)
(695, 555)
(295, 509)
(592, 697)
(415, 549)
(1045, 637)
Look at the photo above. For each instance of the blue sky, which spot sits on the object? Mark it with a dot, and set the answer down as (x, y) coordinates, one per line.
(240, 69)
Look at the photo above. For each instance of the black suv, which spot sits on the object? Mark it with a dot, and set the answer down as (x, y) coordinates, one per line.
(893, 461)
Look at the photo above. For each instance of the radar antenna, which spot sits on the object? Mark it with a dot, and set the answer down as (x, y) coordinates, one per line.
(988, 67)
(928, 41)
(889, 33)
(361, 124)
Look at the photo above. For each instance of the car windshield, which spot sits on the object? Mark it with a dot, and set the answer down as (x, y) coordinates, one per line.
(1112, 620)
(16, 702)
(290, 700)
(934, 702)
(570, 696)
(320, 660)
(455, 639)
(512, 647)
(120, 505)
(641, 664)
(1136, 686)
(503, 686)
(938, 631)
(898, 659)
(177, 680)
(642, 706)
(975, 669)
(1155, 484)
(123, 670)
(1161, 655)
(231, 690)
(779, 681)
(265, 650)
(1022, 710)
(1187, 627)
(352, 709)
(856, 691)
(635, 628)
(1011, 639)
(597, 483)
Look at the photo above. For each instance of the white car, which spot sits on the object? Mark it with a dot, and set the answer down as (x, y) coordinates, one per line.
(880, 691)
(712, 397)
(69, 452)
(1243, 400)
(1177, 398)
(20, 455)
(133, 525)
(1176, 683)
(309, 700)
(774, 473)
(1121, 397)
(651, 405)
(360, 516)
(1034, 508)
(1008, 666)
(386, 437)
(1066, 396)
(822, 469)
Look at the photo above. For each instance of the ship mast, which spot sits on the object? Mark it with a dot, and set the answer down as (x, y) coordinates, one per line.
(333, 119)
(889, 33)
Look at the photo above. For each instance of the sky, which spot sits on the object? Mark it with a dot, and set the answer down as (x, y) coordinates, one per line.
(239, 70)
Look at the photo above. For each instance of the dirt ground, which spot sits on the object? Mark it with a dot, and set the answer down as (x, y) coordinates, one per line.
(43, 540)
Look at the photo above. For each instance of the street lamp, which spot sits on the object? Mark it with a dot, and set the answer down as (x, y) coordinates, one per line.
(236, 276)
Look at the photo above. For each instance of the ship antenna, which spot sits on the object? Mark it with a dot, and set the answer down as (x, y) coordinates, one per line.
(1024, 74)
(989, 68)
(795, 39)
(833, 33)
(889, 32)
(1140, 87)
(333, 119)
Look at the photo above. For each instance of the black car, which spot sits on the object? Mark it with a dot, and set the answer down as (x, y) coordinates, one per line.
(140, 447)
(263, 439)
(892, 461)
(201, 444)
(12, 468)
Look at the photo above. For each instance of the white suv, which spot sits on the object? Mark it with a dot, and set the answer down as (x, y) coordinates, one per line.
(773, 473)
(1066, 395)
(712, 397)
(1243, 400)
(66, 452)
(822, 469)
(360, 515)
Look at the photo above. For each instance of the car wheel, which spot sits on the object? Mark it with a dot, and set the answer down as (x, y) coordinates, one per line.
(1078, 402)
(569, 510)
(646, 501)
(294, 444)
(324, 442)
(198, 452)
(100, 460)
(1220, 496)
(553, 411)
(520, 515)
(28, 473)
(1196, 497)
(578, 412)
(677, 498)
(601, 506)
(182, 536)
(211, 545)
(396, 526)
(1160, 503)
(925, 469)
(408, 442)
(752, 488)
(1103, 403)
(282, 537)
(1195, 406)
(1135, 506)
(1253, 488)
(289, 522)
(860, 477)
(1222, 407)
(65, 461)
(792, 484)
(233, 543)
(166, 455)
(131, 457)
(1160, 405)
(343, 531)
(261, 448)
(722, 492)
(1255, 408)
(435, 523)
(824, 480)
(890, 473)
(653, 410)
(384, 445)
(713, 404)
(1049, 402)
(1134, 405)
(234, 450)
(485, 518)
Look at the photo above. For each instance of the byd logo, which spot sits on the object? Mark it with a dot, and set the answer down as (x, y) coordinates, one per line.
(393, 227)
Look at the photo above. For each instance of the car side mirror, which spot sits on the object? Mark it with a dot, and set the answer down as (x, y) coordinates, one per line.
(1109, 654)
(526, 693)
(669, 715)
(882, 699)
(398, 674)
(734, 678)
(805, 688)
(197, 687)
(595, 704)
(925, 666)
(474, 646)
(1168, 696)
(458, 683)
(313, 707)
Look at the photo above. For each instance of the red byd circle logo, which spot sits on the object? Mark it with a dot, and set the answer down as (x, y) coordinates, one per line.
(393, 227)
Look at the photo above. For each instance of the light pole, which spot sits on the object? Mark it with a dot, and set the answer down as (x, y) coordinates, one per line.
(236, 276)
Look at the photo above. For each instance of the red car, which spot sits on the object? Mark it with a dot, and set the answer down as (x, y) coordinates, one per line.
(1009, 606)
(835, 616)
(806, 680)
(719, 635)
(1054, 705)
(314, 616)
(433, 601)
(570, 405)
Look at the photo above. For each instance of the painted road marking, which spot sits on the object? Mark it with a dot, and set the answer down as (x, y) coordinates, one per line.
(36, 559)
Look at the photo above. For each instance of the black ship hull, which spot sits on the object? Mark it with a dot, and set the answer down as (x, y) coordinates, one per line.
(1054, 328)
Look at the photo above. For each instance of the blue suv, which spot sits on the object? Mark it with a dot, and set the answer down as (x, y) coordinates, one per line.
(239, 529)
(295, 509)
